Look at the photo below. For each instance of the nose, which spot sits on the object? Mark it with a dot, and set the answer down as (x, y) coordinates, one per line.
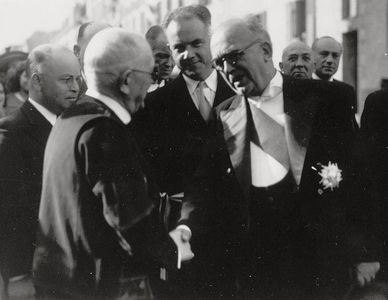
(188, 53)
(299, 62)
(76, 85)
(330, 59)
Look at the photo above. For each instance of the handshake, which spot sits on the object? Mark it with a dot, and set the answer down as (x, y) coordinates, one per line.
(181, 237)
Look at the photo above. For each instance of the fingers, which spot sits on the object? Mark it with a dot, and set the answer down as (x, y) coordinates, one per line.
(185, 235)
(366, 272)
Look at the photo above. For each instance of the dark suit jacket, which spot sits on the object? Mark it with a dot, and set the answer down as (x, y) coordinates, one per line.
(23, 137)
(96, 207)
(172, 132)
(373, 148)
(321, 117)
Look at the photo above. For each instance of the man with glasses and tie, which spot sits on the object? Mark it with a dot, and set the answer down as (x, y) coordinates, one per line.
(54, 80)
(175, 120)
(277, 181)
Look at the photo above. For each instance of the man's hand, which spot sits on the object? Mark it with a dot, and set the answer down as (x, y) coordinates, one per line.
(181, 237)
(185, 234)
(365, 272)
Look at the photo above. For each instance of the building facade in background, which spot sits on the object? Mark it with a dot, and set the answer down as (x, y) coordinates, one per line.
(361, 26)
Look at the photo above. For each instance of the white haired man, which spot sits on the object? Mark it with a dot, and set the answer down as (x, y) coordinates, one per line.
(96, 215)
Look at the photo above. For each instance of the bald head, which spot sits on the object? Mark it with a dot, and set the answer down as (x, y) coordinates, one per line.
(85, 33)
(327, 54)
(114, 60)
(242, 50)
(54, 76)
(297, 61)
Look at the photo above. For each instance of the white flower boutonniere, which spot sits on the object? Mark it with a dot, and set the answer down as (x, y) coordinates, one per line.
(331, 176)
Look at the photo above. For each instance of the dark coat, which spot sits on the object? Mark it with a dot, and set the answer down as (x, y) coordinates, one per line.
(172, 131)
(23, 137)
(215, 201)
(97, 223)
(373, 148)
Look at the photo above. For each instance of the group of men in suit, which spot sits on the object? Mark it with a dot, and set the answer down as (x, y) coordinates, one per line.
(274, 202)
(321, 61)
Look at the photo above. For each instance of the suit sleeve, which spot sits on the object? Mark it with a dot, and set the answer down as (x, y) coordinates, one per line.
(110, 160)
(15, 205)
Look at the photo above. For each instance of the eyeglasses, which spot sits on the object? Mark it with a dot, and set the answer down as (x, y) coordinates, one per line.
(232, 57)
(68, 79)
(140, 71)
(150, 74)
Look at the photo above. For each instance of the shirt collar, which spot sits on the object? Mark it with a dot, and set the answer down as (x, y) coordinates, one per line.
(274, 88)
(112, 104)
(48, 115)
(211, 82)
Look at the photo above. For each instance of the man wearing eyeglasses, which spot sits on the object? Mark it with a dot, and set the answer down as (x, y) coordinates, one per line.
(98, 228)
(53, 73)
(264, 180)
(174, 125)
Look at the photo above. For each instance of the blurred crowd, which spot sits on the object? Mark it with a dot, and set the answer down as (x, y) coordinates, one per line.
(185, 165)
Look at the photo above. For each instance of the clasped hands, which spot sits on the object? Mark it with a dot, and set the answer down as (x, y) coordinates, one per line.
(365, 272)
(181, 238)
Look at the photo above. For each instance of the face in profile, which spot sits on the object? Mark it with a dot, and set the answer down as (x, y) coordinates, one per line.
(297, 62)
(137, 82)
(60, 82)
(327, 57)
(190, 45)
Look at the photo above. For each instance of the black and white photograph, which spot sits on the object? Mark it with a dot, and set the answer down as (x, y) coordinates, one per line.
(193, 149)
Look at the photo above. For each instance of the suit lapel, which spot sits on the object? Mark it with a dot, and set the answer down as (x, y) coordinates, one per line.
(223, 91)
(184, 105)
(234, 123)
(300, 109)
(37, 126)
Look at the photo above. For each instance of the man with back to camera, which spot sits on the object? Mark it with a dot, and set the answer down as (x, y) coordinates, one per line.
(85, 33)
(97, 223)
(297, 61)
(54, 76)
(289, 232)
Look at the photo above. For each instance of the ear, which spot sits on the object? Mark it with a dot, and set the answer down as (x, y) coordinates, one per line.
(267, 49)
(76, 50)
(35, 82)
(281, 66)
(124, 85)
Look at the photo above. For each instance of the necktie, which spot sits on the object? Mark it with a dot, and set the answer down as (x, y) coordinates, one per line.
(203, 105)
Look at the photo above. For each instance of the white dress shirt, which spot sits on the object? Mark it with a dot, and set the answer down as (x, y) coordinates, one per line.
(209, 90)
(48, 115)
(113, 105)
(315, 76)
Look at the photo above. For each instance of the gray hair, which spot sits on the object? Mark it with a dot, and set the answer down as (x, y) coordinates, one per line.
(40, 56)
(111, 52)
